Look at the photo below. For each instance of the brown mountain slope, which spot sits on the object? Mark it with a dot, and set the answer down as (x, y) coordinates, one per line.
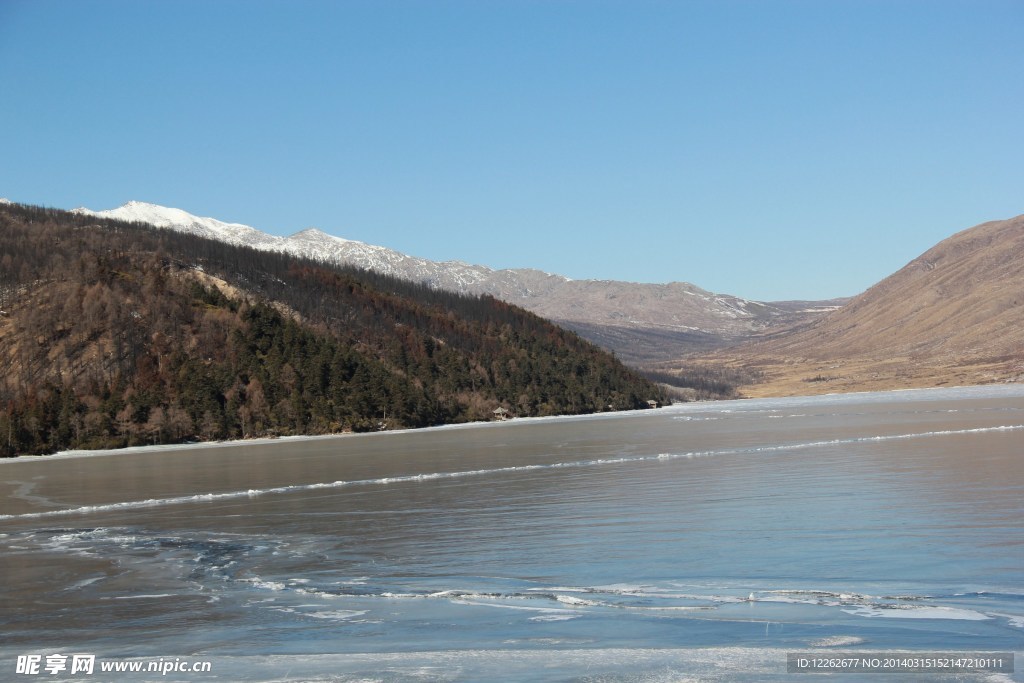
(954, 315)
(641, 322)
(115, 334)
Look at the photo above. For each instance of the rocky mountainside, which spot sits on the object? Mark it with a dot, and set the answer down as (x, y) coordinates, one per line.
(641, 322)
(954, 315)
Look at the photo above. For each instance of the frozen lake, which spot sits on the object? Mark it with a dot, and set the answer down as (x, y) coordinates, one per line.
(701, 541)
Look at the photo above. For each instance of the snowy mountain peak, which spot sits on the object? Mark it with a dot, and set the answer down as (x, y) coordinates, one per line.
(143, 212)
(318, 235)
(311, 235)
(309, 243)
(311, 232)
(182, 221)
(665, 308)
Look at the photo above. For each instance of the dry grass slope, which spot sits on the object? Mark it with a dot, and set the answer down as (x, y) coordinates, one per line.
(954, 315)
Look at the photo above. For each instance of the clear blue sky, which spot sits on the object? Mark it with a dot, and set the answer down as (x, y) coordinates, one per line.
(770, 149)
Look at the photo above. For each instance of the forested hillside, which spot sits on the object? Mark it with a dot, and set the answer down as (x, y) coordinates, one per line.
(114, 334)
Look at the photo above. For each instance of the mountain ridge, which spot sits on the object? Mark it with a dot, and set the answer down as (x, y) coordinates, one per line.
(641, 321)
(953, 315)
(118, 333)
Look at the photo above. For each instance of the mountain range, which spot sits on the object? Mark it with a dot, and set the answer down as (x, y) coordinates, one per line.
(641, 322)
(954, 315)
(117, 333)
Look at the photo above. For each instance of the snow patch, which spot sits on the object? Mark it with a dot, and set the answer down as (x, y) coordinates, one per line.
(917, 612)
(837, 641)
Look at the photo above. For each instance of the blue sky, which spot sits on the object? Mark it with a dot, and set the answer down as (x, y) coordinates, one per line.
(769, 149)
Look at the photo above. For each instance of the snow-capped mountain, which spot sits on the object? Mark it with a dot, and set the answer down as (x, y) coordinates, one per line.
(309, 243)
(674, 317)
(182, 221)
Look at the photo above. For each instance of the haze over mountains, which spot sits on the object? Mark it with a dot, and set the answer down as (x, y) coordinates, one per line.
(641, 322)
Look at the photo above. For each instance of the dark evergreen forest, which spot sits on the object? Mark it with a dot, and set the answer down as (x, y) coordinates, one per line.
(116, 334)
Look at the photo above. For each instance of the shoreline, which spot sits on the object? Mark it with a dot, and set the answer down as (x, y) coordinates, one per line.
(267, 440)
(925, 393)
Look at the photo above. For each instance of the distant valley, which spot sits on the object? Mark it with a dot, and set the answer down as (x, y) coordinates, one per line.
(954, 315)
